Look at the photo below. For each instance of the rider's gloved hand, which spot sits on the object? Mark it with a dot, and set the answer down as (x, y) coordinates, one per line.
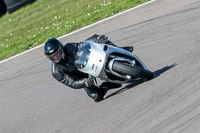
(89, 82)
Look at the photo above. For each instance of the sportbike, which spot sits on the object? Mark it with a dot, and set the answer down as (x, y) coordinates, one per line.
(109, 63)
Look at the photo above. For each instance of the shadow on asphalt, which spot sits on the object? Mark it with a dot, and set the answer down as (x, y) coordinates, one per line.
(164, 69)
(156, 73)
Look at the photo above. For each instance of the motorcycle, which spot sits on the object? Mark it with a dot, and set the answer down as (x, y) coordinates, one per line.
(109, 63)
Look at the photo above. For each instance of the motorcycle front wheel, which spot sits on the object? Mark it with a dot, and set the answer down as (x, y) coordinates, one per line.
(133, 71)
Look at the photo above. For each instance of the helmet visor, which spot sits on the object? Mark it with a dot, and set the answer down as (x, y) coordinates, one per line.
(57, 56)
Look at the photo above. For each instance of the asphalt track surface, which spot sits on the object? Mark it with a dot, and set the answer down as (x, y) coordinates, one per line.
(165, 35)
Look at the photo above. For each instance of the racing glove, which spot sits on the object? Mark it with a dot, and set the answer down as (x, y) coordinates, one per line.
(89, 82)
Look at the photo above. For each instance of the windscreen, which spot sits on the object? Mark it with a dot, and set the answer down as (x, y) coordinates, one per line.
(82, 55)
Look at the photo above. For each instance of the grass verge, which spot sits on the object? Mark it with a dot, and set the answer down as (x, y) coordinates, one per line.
(34, 24)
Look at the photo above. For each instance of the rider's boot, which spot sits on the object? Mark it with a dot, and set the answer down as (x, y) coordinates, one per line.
(128, 48)
(97, 94)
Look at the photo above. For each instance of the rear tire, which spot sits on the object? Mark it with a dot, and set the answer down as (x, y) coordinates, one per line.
(135, 72)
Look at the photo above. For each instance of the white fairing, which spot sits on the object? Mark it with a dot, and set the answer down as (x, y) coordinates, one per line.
(96, 59)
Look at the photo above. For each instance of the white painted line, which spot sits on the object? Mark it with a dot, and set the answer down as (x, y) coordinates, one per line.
(79, 30)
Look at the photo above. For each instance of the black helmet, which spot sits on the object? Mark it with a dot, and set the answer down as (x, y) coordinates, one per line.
(53, 49)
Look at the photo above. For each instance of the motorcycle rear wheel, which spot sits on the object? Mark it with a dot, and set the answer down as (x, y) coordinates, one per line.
(133, 71)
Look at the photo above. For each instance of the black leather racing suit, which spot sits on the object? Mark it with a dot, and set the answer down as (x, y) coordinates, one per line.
(66, 73)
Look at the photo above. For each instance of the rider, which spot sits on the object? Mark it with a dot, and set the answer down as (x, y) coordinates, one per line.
(63, 70)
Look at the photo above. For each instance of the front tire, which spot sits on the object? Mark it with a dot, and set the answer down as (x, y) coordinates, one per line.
(133, 71)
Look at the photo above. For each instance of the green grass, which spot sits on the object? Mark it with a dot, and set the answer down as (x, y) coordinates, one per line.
(34, 24)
